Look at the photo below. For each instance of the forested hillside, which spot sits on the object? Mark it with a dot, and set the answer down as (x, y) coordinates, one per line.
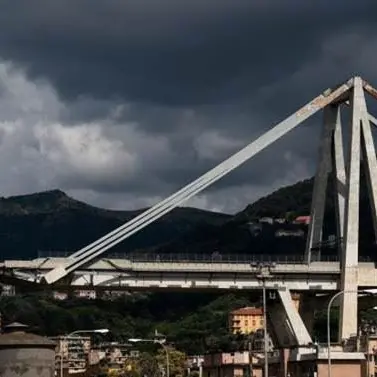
(52, 221)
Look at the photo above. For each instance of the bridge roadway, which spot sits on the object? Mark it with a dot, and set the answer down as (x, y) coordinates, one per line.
(163, 273)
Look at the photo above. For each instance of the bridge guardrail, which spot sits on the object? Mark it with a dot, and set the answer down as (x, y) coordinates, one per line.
(201, 257)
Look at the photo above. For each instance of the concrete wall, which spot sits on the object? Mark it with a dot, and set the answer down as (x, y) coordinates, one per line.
(229, 371)
(27, 362)
(340, 369)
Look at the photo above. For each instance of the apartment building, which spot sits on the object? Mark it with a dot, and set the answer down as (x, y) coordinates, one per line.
(246, 320)
(235, 364)
(72, 352)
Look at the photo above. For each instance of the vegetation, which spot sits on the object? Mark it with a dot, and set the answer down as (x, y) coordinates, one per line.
(49, 221)
(193, 323)
(153, 364)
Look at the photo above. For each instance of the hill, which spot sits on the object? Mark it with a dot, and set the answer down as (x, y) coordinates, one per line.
(236, 236)
(53, 221)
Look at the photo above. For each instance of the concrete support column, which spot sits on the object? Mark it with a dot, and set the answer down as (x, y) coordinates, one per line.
(287, 326)
(284, 357)
(348, 307)
(278, 325)
(296, 323)
(340, 184)
(314, 238)
(369, 162)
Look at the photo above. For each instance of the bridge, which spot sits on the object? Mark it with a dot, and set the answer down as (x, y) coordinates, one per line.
(90, 267)
(195, 272)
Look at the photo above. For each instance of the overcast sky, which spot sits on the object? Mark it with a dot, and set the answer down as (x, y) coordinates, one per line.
(120, 103)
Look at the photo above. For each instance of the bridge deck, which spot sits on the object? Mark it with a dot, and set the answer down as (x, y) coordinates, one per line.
(112, 265)
(153, 274)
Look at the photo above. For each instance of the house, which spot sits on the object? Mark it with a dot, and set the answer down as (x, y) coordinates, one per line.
(87, 293)
(305, 220)
(289, 233)
(266, 220)
(235, 364)
(246, 320)
(255, 228)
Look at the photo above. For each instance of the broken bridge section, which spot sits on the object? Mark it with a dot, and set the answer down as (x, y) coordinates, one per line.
(287, 325)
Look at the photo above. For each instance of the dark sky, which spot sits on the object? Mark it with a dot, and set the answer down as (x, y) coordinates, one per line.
(120, 103)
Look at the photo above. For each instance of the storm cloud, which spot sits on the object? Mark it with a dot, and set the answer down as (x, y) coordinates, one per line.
(122, 102)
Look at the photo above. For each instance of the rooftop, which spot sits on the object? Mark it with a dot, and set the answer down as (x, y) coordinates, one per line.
(248, 310)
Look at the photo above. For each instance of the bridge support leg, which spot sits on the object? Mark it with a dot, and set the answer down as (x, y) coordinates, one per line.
(369, 163)
(288, 327)
(349, 284)
(282, 333)
(339, 176)
(314, 238)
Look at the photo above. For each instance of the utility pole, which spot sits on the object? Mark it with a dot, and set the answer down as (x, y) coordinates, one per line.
(263, 270)
(250, 345)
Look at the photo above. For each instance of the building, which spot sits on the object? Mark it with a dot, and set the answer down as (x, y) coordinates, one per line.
(285, 362)
(59, 295)
(302, 220)
(72, 353)
(7, 290)
(246, 320)
(25, 354)
(87, 294)
(235, 364)
(266, 220)
(116, 353)
(195, 363)
(249, 319)
(255, 229)
(290, 233)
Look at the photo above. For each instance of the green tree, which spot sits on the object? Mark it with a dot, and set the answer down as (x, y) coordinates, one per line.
(148, 365)
(177, 361)
(290, 216)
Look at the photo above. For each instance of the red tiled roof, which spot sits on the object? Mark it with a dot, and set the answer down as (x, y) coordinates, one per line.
(302, 218)
(248, 310)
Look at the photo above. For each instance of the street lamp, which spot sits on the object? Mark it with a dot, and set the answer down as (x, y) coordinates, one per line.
(333, 298)
(161, 342)
(263, 273)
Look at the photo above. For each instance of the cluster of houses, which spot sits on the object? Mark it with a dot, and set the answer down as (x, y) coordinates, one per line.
(282, 227)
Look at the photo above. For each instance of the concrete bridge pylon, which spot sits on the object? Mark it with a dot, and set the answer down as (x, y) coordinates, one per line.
(345, 172)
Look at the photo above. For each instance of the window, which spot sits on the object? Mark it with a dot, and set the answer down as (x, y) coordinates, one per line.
(261, 322)
(254, 322)
(246, 322)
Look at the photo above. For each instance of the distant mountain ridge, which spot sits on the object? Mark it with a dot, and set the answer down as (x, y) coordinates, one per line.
(52, 220)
